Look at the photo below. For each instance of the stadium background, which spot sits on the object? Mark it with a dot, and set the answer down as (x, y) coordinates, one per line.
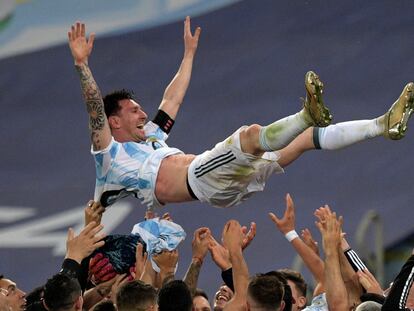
(249, 68)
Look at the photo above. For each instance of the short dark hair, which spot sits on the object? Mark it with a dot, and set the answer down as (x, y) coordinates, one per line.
(111, 101)
(135, 295)
(175, 296)
(296, 278)
(104, 305)
(267, 291)
(61, 292)
(200, 292)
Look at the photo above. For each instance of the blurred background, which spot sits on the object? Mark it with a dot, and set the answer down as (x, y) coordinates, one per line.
(249, 68)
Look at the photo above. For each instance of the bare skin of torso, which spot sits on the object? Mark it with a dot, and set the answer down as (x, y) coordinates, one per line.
(171, 185)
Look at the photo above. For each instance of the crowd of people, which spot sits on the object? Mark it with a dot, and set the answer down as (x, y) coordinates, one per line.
(137, 271)
(91, 278)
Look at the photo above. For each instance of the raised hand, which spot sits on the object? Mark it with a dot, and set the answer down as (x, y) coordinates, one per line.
(219, 254)
(166, 261)
(190, 40)
(81, 246)
(330, 228)
(232, 236)
(369, 282)
(287, 222)
(200, 243)
(309, 240)
(140, 260)
(248, 235)
(93, 212)
(80, 46)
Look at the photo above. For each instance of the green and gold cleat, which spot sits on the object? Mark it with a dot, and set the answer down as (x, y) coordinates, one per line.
(396, 118)
(313, 104)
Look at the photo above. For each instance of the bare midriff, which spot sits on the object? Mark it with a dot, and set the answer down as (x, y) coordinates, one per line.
(171, 185)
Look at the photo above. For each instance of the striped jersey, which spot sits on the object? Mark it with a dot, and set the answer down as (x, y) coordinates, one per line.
(131, 168)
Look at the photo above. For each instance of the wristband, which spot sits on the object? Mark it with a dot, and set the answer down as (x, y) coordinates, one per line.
(291, 235)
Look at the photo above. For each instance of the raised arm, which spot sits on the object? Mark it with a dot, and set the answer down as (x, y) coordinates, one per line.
(81, 48)
(286, 226)
(233, 241)
(175, 91)
(336, 293)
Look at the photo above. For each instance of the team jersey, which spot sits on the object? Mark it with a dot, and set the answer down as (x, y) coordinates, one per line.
(131, 168)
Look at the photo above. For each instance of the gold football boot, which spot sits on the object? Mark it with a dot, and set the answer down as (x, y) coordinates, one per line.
(397, 116)
(313, 103)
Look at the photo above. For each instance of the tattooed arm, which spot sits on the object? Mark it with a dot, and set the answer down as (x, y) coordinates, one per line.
(81, 48)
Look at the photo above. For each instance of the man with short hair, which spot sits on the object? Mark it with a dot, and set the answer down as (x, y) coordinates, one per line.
(62, 293)
(15, 297)
(175, 296)
(136, 295)
(298, 287)
(200, 301)
(132, 158)
(265, 293)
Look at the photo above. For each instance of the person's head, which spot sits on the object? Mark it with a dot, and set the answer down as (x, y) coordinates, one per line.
(175, 296)
(62, 293)
(104, 305)
(222, 296)
(265, 293)
(15, 297)
(369, 306)
(200, 301)
(136, 295)
(298, 287)
(125, 116)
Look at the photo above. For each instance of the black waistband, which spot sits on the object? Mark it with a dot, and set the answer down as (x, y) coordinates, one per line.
(190, 191)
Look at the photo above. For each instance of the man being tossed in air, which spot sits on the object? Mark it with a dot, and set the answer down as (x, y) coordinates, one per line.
(131, 155)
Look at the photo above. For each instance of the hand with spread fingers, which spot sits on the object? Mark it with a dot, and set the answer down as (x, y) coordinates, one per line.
(287, 222)
(81, 246)
(80, 45)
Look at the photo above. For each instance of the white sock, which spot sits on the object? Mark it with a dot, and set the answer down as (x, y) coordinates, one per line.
(279, 134)
(343, 134)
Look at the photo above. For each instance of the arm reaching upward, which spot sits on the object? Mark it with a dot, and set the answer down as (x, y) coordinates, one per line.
(175, 91)
(81, 48)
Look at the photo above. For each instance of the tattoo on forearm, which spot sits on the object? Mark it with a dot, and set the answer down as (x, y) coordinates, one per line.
(191, 277)
(94, 103)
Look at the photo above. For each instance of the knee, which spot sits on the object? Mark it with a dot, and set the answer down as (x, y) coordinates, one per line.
(252, 131)
(249, 139)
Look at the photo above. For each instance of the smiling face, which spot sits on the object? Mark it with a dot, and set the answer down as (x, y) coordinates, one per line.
(128, 123)
(223, 295)
(15, 297)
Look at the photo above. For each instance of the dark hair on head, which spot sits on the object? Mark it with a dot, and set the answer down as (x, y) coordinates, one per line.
(267, 291)
(175, 296)
(296, 278)
(111, 101)
(135, 295)
(35, 295)
(104, 305)
(200, 292)
(35, 306)
(287, 296)
(61, 292)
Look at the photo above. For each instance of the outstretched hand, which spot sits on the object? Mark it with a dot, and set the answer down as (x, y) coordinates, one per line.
(190, 40)
(287, 222)
(80, 46)
(81, 246)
